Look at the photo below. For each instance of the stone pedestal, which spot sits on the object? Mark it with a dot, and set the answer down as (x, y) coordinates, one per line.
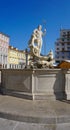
(67, 83)
(48, 84)
(34, 84)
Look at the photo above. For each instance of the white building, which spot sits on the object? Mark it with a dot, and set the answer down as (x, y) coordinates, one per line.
(62, 46)
(4, 44)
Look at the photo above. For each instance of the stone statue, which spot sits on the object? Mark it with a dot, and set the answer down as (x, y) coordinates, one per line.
(35, 45)
(36, 39)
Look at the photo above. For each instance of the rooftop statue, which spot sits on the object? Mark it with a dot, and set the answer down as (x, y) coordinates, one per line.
(35, 45)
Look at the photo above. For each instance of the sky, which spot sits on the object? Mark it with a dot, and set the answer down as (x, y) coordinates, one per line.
(18, 19)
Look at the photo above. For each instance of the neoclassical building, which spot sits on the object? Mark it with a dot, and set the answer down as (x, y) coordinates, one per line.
(4, 44)
(16, 57)
(11, 57)
(21, 57)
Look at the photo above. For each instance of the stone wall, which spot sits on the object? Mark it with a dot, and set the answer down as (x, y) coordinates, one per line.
(36, 83)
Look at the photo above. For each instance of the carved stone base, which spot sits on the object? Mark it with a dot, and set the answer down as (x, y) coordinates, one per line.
(36, 84)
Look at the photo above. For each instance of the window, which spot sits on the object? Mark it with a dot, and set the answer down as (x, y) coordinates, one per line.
(68, 33)
(57, 52)
(67, 39)
(62, 44)
(62, 53)
(68, 48)
(57, 57)
(57, 62)
(62, 39)
(68, 43)
(63, 57)
(62, 49)
(64, 33)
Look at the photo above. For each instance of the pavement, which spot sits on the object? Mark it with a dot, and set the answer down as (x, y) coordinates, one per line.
(38, 111)
(21, 114)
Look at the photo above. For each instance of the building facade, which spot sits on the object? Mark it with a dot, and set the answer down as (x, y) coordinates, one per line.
(21, 57)
(62, 46)
(16, 58)
(12, 55)
(4, 44)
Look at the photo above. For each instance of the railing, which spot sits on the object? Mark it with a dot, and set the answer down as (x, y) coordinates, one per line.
(12, 66)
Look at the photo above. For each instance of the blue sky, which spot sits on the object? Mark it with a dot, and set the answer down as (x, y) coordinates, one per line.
(18, 18)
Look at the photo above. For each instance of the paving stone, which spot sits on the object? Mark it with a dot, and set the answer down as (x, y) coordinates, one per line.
(21, 114)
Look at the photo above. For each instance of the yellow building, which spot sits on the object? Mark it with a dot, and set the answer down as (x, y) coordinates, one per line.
(13, 55)
(16, 57)
(21, 57)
